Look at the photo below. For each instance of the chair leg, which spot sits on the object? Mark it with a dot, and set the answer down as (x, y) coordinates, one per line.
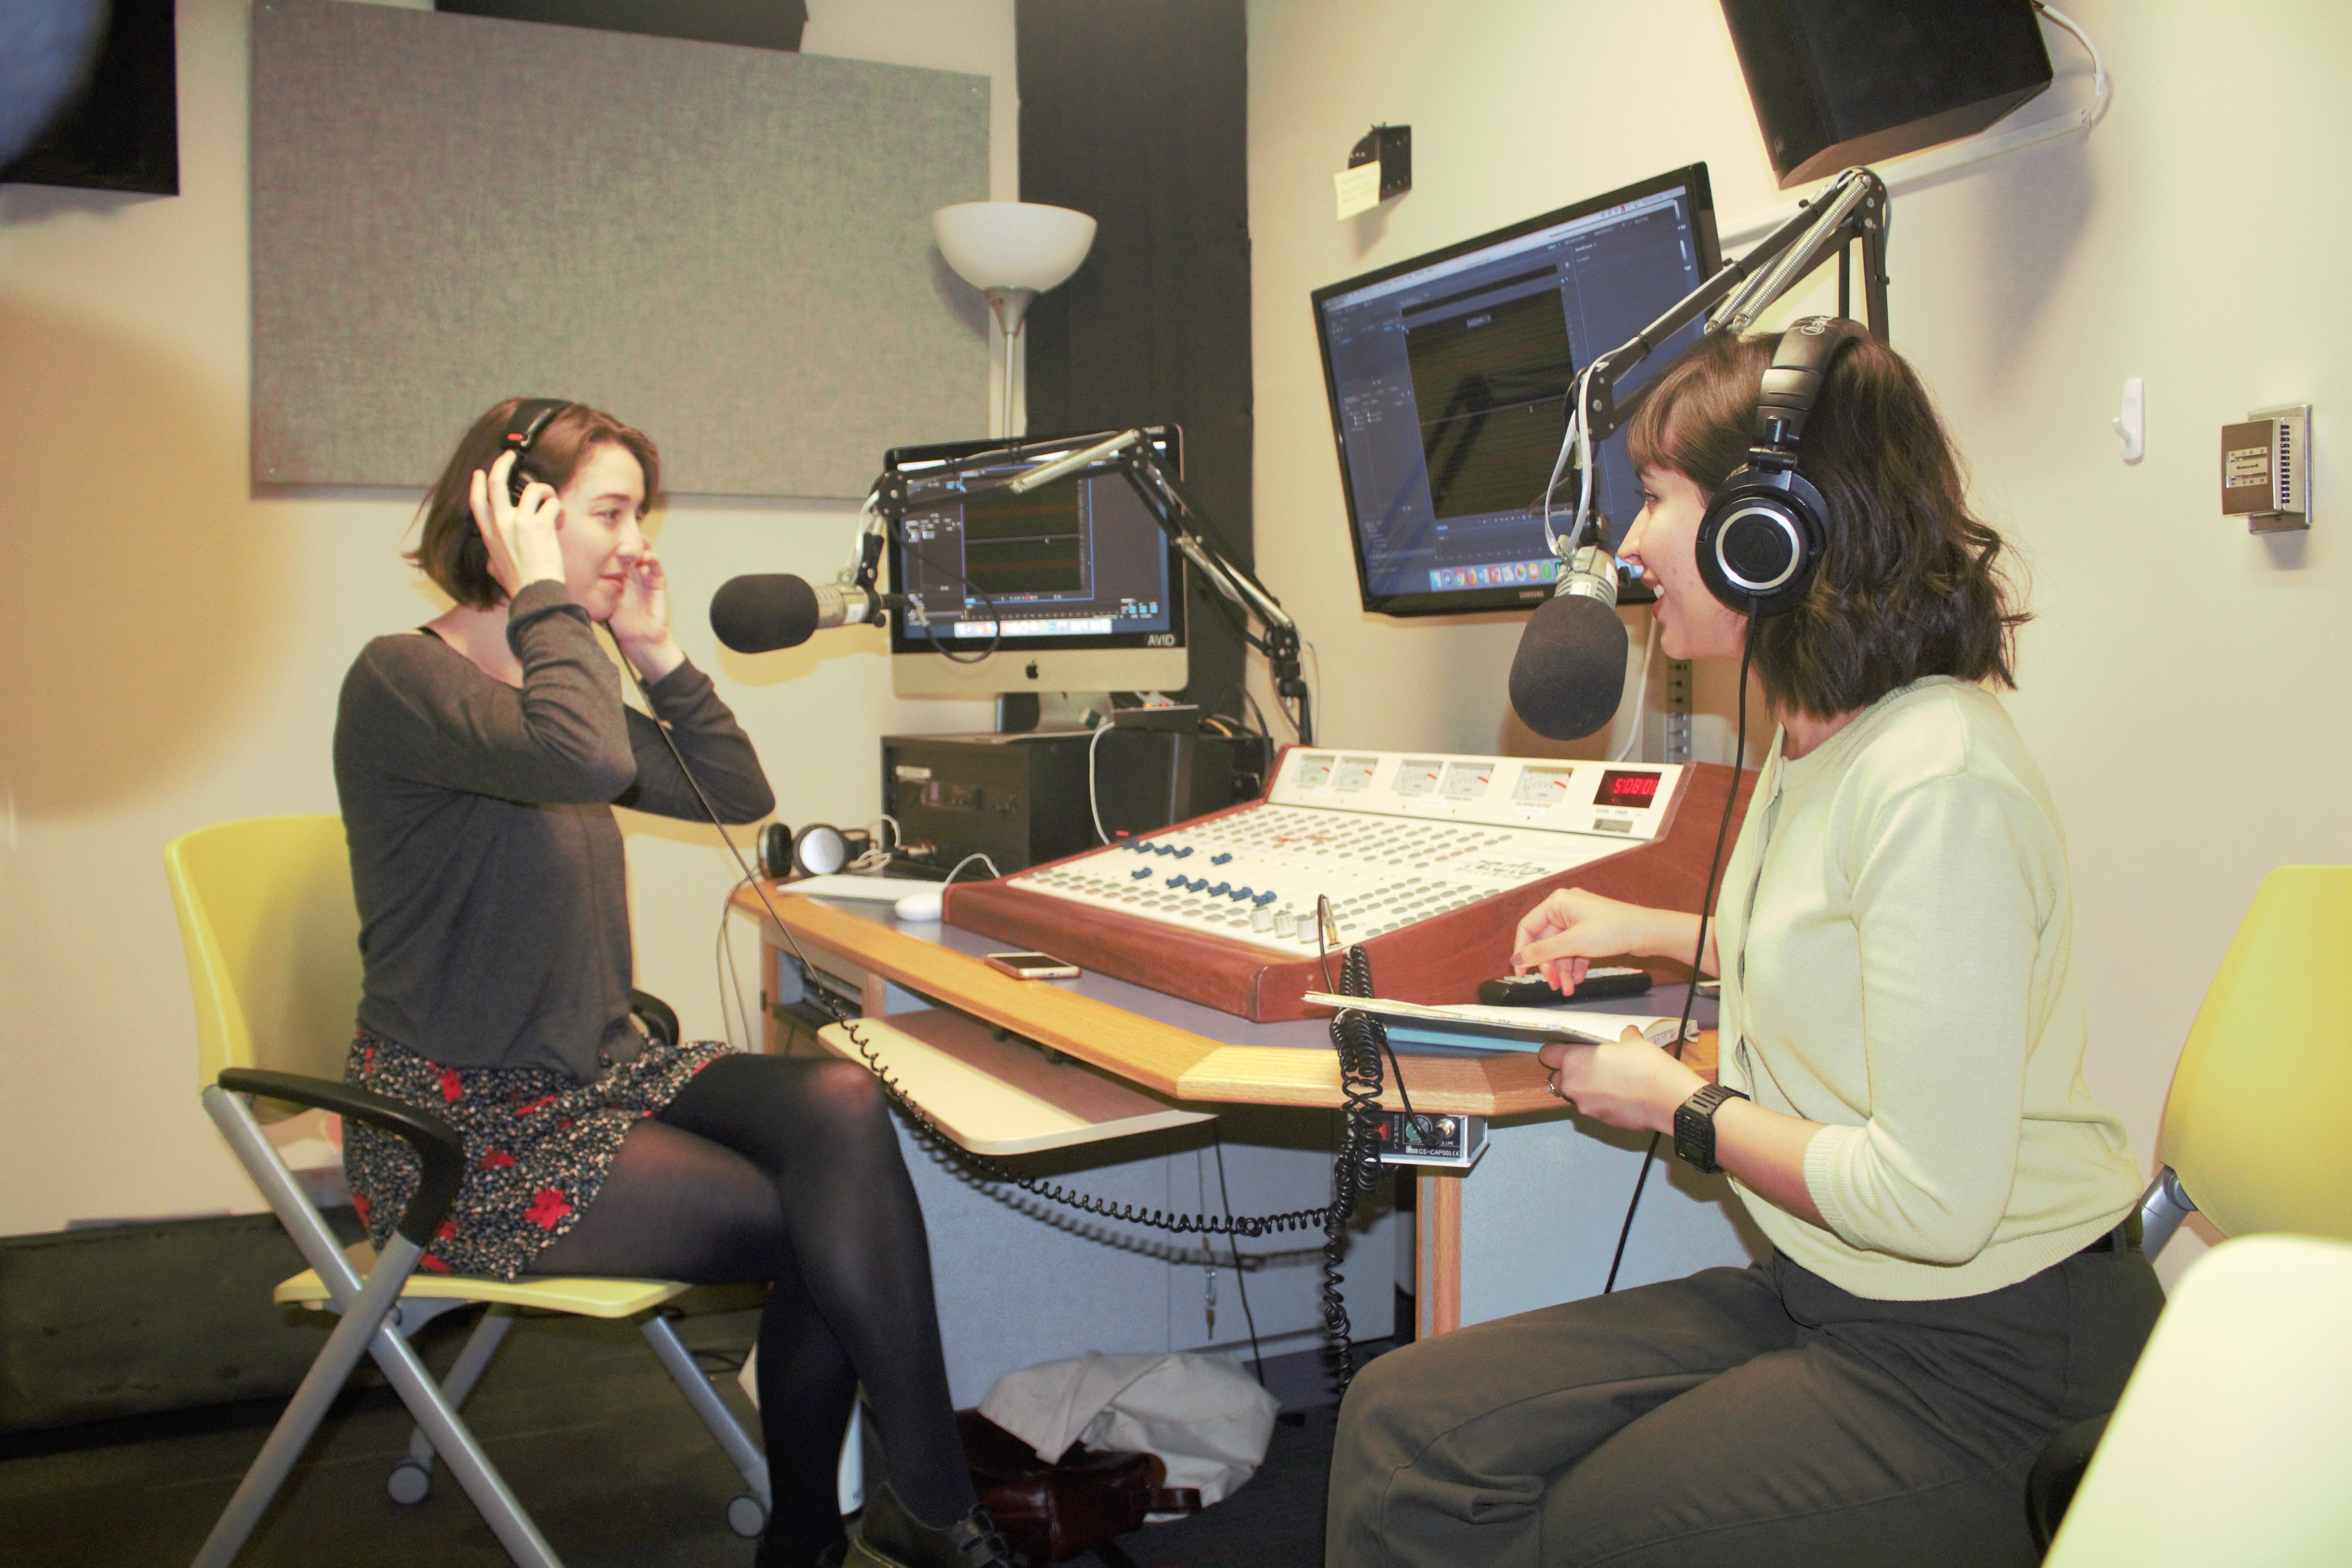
(2161, 1209)
(348, 1341)
(362, 1329)
(696, 1385)
(413, 1380)
(366, 1305)
(412, 1477)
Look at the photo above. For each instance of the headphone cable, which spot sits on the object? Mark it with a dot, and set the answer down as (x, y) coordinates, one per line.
(1705, 906)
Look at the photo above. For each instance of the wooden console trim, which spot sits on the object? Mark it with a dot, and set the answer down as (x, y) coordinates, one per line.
(1160, 1056)
(1441, 959)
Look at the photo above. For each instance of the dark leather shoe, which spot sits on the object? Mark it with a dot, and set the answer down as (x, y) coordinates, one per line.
(886, 1536)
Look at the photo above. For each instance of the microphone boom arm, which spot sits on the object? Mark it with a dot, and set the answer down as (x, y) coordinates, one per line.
(1851, 207)
(1191, 532)
(1213, 558)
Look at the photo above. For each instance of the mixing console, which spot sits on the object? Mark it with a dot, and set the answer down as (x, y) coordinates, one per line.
(1390, 837)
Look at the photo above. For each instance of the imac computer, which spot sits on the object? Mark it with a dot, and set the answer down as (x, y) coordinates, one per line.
(1449, 376)
(1074, 584)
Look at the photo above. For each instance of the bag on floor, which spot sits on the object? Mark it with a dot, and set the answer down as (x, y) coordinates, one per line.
(1205, 1419)
(1082, 1499)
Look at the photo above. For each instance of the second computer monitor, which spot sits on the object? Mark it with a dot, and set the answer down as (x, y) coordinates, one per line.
(1073, 583)
(1449, 374)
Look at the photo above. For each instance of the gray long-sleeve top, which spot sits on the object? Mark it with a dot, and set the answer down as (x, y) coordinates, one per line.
(494, 917)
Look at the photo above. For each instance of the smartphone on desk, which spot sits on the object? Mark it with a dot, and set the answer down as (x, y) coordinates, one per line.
(1030, 966)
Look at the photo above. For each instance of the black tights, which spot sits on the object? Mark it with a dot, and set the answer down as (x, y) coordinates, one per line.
(787, 1169)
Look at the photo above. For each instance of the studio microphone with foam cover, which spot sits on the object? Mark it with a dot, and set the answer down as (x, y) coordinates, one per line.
(1570, 672)
(768, 610)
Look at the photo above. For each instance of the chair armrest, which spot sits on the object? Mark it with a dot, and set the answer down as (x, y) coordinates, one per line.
(439, 1149)
(660, 1022)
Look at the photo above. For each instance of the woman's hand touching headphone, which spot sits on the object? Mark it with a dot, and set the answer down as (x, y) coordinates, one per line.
(519, 536)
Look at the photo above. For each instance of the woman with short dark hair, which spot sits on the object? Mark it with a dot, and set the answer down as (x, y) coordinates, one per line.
(1953, 1276)
(478, 760)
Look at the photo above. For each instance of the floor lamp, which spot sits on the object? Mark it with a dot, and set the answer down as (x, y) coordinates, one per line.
(1012, 252)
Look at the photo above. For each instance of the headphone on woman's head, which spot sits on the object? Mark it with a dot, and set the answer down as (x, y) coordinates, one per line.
(523, 425)
(1762, 539)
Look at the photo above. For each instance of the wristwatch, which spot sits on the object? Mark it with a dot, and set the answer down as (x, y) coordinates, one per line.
(1695, 1125)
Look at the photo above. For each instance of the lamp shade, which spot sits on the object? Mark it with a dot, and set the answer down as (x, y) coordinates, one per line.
(1012, 244)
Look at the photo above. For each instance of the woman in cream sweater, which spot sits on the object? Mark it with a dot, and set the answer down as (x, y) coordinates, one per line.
(1951, 1278)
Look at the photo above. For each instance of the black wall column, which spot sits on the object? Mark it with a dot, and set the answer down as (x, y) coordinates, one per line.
(1135, 112)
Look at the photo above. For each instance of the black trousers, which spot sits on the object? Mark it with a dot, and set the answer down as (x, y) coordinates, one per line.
(1749, 1417)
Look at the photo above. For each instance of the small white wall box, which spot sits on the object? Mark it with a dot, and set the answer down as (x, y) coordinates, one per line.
(2266, 470)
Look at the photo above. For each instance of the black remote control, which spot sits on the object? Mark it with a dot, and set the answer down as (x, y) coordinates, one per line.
(1534, 991)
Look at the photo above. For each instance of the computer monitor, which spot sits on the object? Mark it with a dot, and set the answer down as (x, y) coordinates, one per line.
(1449, 375)
(1085, 590)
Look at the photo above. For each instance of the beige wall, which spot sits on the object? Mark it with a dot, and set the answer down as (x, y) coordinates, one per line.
(2184, 686)
(174, 644)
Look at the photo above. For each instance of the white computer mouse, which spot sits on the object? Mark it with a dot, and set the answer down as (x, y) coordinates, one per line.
(926, 905)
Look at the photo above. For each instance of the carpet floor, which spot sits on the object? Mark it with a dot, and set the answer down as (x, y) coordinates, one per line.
(588, 1433)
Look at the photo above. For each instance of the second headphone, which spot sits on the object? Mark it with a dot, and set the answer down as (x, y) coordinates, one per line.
(523, 425)
(820, 850)
(1762, 539)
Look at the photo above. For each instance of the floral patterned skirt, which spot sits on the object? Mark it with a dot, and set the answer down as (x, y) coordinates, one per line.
(538, 1145)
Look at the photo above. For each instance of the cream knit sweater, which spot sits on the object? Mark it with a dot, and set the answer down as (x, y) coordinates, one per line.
(1896, 932)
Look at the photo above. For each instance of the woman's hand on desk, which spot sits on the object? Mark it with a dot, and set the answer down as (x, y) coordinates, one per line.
(520, 536)
(1628, 1082)
(1567, 931)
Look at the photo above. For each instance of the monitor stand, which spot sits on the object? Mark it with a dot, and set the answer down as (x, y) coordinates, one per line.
(1017, 712)
(1028, 712)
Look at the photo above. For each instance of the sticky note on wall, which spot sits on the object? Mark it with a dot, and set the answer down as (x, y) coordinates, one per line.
(1359, 189)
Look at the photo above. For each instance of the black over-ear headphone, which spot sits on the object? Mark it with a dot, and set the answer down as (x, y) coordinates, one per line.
(530, 418)
(1762, 539)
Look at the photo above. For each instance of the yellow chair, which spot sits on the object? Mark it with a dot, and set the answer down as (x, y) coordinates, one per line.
(2245, 1138)
(2233, 1442)
(271, 934)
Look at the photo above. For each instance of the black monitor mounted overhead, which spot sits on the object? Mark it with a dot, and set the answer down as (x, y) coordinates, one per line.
(1447, 374)
(1839, 82)
(1569, 670)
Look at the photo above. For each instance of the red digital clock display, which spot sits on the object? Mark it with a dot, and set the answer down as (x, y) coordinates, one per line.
(1618, 787)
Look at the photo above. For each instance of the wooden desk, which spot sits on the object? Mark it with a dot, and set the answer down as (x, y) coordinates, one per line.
(1189, 1054)
(1172, 1048)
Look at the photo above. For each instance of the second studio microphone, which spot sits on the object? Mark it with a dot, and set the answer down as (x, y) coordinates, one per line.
(765, 611)
(1570, 672)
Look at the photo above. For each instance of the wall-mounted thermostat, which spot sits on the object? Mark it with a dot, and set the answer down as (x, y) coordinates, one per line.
(2266, 470)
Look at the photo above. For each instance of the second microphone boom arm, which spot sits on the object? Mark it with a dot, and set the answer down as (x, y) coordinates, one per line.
(1204, 547)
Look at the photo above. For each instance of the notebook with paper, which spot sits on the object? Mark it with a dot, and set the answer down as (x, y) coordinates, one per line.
(1499, 1029)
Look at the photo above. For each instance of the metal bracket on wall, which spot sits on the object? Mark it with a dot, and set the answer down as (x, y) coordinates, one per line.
(1675, 713)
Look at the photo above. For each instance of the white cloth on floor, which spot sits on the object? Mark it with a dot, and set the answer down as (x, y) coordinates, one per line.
(1206, 1418)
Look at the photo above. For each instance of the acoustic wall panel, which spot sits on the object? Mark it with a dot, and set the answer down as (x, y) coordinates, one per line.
(729, 247)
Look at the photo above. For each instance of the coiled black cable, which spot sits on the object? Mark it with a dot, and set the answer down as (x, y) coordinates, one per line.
(994, 1170)
(1361, 1039)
